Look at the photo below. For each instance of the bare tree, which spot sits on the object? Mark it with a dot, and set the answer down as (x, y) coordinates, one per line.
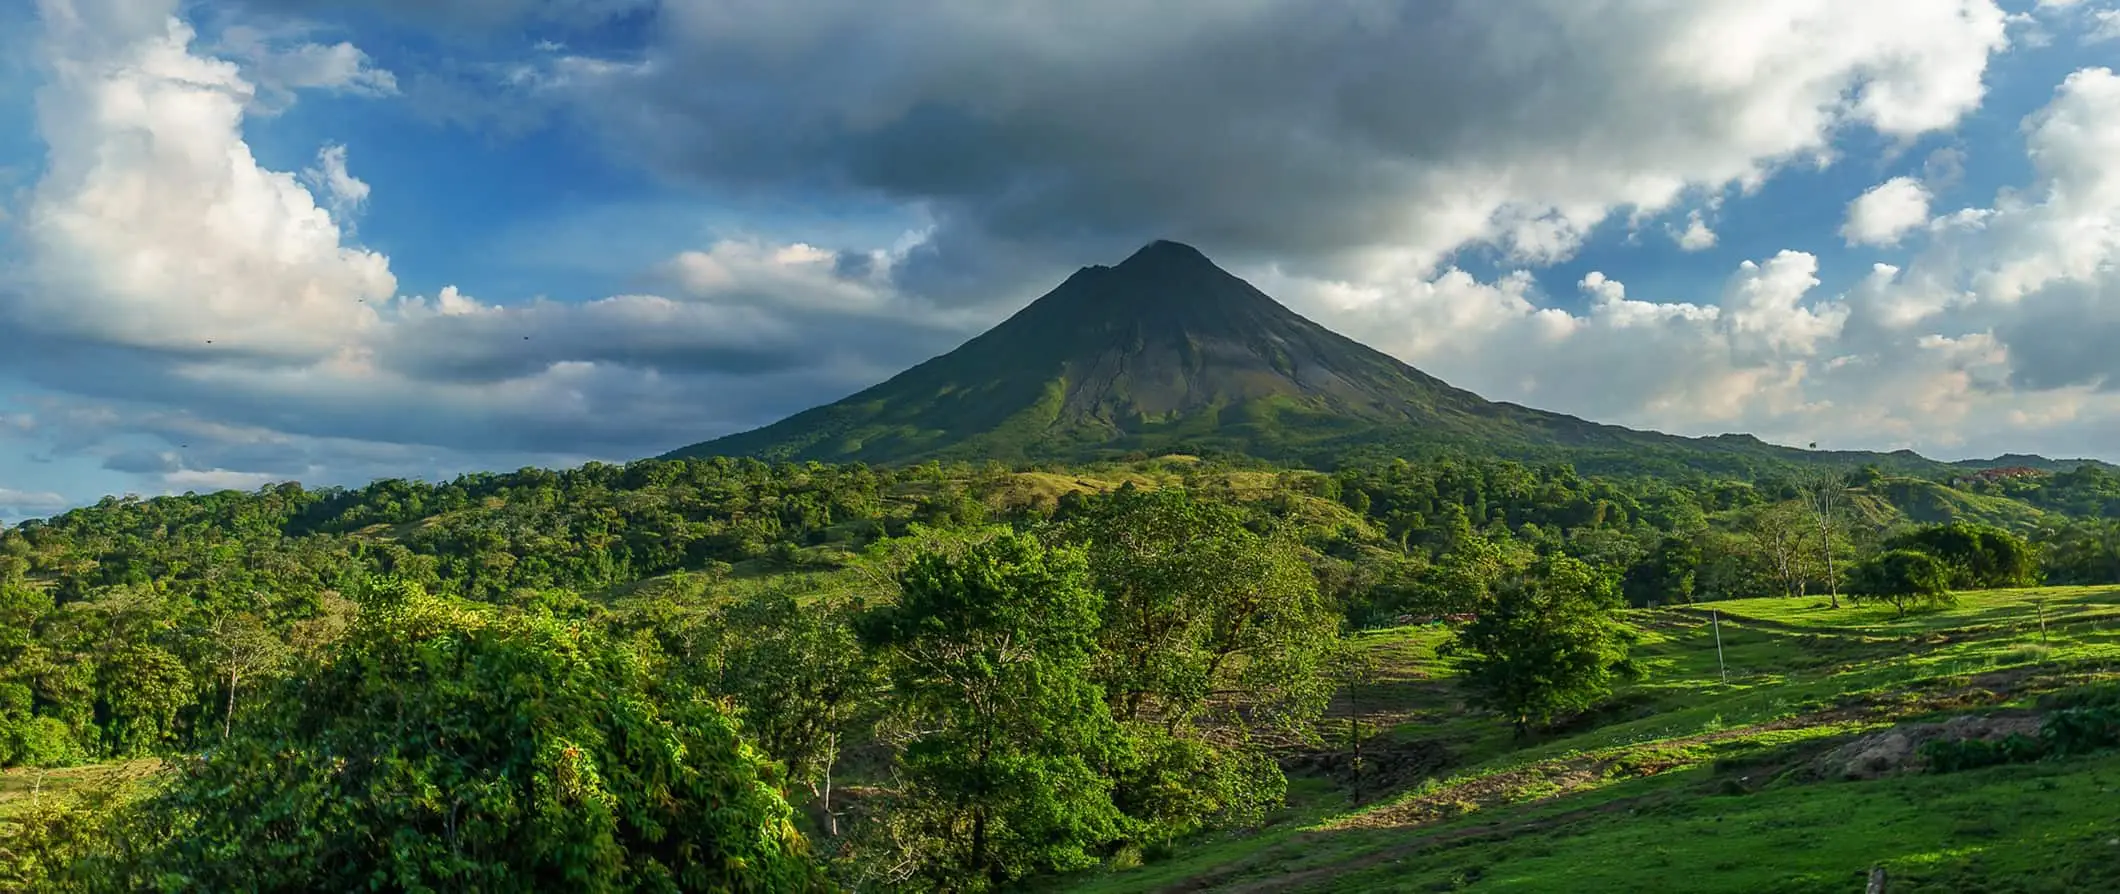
(1825, 492)
(243, 649)
(1779, 532)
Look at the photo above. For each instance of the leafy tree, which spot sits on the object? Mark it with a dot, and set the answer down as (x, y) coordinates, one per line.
(449, 746)
(1904, 578)
(1213, 639)
(801, 680)
(1667, 575)
(1975, 556)
(990, 651)
(1197, 605)
(1544, 643)
(243, 650)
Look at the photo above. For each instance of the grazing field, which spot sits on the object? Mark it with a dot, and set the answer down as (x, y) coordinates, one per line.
(1788, 766)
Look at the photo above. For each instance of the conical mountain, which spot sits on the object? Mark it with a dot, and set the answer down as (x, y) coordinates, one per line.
(1167, 352)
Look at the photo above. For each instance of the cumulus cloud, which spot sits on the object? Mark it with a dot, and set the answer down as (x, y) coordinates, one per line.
(1696, 236)
(168, 267)
(1886, 212)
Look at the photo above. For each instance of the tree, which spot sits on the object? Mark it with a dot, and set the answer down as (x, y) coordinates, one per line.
(1976, 556)
(1823, 493)
(801, 679)
(242, 649)
(1778, 531)
(1198, 607)
(447, 745)
(990, 653)
(1214, 642)
(1904, 578)
(1667, 575)
(1542, 644)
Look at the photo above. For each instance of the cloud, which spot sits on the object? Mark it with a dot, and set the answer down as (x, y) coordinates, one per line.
(1309, 151)
(2105, 26)
(467, 15)
(20, 504)
(167, 267)
(1887, 211)
(1696, 236)
(1269, 130)
(280, 62)
(345, 192)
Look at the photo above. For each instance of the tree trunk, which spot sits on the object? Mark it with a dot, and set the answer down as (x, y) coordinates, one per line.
(1825, 544)
(228, 717)
(979, 845)
(1877, 880)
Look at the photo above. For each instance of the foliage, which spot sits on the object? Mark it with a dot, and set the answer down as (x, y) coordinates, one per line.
(1976, 557)
(1213, 642)
(1905, 578)
(801, 681)
(1667, 576)
(990, 652)
(446, 745)
(1544, 644)
(2069, 731)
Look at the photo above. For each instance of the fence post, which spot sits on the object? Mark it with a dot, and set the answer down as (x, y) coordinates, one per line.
(1715, 617)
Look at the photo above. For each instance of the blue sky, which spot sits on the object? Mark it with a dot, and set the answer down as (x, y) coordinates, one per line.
(334, 240)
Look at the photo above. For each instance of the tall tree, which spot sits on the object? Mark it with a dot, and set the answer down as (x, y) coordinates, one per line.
(243, 649)
(801, 679)
(1214, 645)
(990, 653)
(1825, 494)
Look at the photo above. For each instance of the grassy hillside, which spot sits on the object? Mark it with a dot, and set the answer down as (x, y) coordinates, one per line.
(1693, 783)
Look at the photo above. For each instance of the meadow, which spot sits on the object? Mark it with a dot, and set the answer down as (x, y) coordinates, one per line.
(1709, 776)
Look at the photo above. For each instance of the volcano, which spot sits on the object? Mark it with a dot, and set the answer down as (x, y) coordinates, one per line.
(1169, 353)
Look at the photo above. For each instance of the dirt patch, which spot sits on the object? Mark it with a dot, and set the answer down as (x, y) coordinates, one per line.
(1898, 750)
(1385, 766)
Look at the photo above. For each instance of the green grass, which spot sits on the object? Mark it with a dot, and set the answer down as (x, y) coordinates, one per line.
(21, 787)
(1706, 775)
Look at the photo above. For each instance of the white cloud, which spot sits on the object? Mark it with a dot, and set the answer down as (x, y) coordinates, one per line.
(28, 503)
(1696, 236)
(1887, 211)
(195, 276)
(277, 62)
(154, 227)
(2104, 26)
(345, 192)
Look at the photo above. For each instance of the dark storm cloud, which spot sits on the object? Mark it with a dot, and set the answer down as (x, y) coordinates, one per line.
(1293, 130)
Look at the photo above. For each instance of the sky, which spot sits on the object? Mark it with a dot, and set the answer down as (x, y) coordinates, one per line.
(250, 241)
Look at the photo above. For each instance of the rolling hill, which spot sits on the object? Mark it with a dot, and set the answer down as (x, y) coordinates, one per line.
(1169, 352)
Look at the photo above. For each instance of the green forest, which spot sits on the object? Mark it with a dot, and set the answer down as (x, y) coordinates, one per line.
(730, 675)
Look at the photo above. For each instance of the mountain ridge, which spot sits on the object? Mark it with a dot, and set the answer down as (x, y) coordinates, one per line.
(1168, 352)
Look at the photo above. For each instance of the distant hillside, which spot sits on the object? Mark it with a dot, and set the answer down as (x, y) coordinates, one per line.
(1168, 352)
